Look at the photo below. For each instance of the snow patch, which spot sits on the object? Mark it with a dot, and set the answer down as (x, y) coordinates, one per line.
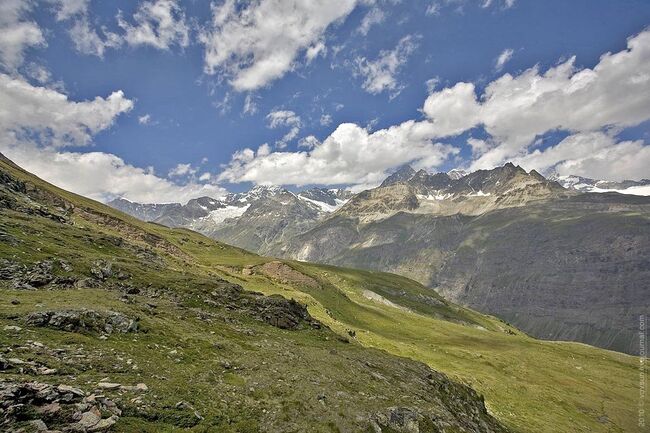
(328, 208)
(220, 215)
(633, 190)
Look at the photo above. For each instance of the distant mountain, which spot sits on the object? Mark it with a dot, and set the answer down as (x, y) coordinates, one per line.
(255, 219)
(144, 212)
(556, 262)
(402, 174)
(456, 173)
(439, 194)
(585, 184)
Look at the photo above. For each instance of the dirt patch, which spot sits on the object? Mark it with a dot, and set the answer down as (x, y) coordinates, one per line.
(286, 274)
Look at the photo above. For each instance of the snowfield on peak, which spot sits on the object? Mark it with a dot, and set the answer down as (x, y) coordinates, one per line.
(219, 215)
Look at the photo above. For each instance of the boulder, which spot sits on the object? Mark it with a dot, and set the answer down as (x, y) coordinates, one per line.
(102, 269)
(84, 321)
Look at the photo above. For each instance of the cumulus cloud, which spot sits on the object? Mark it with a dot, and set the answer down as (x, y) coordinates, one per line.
(182, 170)
(350, 155)
(17, 34)
(103, 176)
(592, 105)
(514, 110)
(255, 44)
(145, 119)
(503, 58)
(42, 121)
(159, 23)
(51, 116)
(381, 74)
(592, 154)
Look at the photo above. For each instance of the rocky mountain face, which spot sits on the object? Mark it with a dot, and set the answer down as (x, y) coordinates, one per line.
(585, 184)
(255, 220)
(557, 263)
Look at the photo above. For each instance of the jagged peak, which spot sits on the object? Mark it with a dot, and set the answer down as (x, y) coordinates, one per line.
(402, 174)
(457, 173)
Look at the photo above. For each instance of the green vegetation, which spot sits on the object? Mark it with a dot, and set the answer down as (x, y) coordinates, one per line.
(237, 373)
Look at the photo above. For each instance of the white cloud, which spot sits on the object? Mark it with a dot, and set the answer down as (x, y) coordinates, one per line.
(591, 104)
(250, 106)
(158, 23)
(507, 4)
(372, 17)
(182, 170)
(144, 120)
(350, 155)
(205, 177)
(42, 120)
(451, 110)
(478, 146)
(308, 142)
(38, 73)
(325, 120)
(259, 42)
(66, 9)
(503, 58)
(315, 50)
(592, 154)
(514, 110)
(433, 9)
(16, 33)
(51, 116)
(380, 74)
(431, 84)
(88, 41)
(103, 176)
(280, 118)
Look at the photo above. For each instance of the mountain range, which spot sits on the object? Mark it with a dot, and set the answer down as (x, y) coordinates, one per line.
(557, 262)
(114, 324)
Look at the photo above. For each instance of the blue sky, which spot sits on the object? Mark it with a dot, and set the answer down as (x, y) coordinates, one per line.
(187, 120)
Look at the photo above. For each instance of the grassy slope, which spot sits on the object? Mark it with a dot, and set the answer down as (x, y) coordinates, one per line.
(241, 375)
(530, 385)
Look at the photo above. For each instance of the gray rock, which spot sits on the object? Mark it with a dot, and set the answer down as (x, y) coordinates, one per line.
(102, 269)
(84, 321)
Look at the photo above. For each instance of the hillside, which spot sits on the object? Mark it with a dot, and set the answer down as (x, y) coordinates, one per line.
(177, 331)
(558, 264)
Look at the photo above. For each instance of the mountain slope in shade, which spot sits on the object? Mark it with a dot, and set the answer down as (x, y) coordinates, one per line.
(557, 263)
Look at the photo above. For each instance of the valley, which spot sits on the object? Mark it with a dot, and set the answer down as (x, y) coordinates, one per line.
(504, 241)
(202, 329)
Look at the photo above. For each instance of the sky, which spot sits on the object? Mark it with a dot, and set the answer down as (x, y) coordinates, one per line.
(164, 101)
